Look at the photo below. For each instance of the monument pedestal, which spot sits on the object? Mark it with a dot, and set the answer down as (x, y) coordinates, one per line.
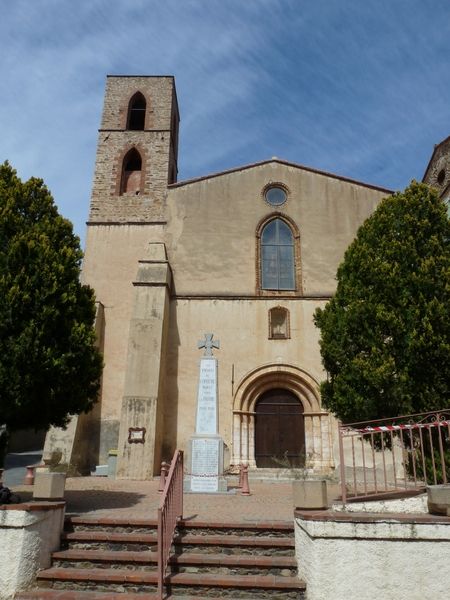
(205, 465)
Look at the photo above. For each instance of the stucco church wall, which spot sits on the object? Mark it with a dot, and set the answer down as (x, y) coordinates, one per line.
(212, 227)
(110, 266)
(242, 328)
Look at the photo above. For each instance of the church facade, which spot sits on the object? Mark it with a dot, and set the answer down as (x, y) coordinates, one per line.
(245, 256)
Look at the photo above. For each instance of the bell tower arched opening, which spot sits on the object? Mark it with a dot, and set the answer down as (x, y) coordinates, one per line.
(131, 180)
(136, 112)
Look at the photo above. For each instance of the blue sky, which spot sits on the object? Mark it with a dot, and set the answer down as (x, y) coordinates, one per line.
(355, 87)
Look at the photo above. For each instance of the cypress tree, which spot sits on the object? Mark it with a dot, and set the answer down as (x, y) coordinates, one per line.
(49, 365)
(385, 335)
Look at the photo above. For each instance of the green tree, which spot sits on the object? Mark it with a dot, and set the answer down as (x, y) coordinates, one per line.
(385, 335)
(49, 365)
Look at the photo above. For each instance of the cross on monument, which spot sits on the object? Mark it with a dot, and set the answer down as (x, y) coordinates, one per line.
(208, 344)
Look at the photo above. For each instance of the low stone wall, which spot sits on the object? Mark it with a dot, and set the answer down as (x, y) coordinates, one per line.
(362, 556)
(29, 533)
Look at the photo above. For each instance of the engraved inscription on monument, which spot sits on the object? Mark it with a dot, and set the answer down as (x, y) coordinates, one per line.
(205, 456)
(206, 421)
(205, 465)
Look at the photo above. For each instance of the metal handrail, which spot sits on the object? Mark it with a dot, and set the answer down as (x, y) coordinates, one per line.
(169, 512)
(400, 453)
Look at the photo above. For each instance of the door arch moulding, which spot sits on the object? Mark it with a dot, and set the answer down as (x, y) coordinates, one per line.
(318, 430)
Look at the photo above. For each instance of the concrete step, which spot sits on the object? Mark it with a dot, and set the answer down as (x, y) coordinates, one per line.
(275, 528)
(51, 594)
(125, 581)
(276, 475)
(185, 562)
(108, 559)
(106, 540)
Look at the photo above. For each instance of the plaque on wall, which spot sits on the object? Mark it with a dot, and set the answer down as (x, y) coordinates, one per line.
(136, 435)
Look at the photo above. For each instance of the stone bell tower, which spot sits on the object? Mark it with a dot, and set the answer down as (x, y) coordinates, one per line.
(137, 149)
(126, 265)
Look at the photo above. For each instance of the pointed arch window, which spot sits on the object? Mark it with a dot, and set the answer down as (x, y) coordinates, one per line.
(277, 256)
(136, 112)
(131, 173)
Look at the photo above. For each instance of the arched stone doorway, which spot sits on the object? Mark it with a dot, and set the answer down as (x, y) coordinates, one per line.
(318, 443)
(279, 430)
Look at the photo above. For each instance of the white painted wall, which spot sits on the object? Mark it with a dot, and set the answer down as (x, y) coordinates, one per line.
(363, 561)
(27, 539)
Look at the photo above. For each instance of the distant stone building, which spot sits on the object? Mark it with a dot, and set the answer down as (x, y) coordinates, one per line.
(246, 254)
(437, 173)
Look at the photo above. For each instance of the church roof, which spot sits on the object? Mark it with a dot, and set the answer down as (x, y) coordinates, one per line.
(281, 162)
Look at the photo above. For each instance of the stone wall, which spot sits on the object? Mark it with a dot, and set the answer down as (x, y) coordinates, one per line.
(437, 173)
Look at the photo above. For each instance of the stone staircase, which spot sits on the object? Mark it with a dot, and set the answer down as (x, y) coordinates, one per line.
(107, 559)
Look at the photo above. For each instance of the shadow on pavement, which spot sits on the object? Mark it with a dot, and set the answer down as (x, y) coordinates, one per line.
(15, 463)
(84, 501)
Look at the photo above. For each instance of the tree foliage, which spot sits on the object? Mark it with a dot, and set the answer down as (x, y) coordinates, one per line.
(49, 365)
(385, 335)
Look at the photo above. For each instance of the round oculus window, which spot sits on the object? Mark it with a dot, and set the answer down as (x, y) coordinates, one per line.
(275, 195)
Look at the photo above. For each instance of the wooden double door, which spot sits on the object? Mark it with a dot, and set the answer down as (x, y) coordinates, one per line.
(279, 430)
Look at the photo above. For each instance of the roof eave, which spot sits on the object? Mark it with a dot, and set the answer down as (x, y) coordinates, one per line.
(281, 162)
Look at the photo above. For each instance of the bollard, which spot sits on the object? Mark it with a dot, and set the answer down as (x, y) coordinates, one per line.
(29, 477)
(162, 478)
(241, 474)
(245, 487)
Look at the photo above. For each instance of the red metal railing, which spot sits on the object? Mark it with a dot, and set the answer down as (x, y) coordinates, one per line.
(390, 455)
(169, 512)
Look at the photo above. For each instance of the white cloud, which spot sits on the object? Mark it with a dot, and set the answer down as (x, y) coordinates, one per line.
(357, 88)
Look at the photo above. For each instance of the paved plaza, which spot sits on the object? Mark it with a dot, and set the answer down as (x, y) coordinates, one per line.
(102, 496)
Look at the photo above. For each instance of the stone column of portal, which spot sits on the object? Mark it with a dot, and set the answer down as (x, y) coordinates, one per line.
(244, 455)
(141, 419)
(236, 460)
(251, 442)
